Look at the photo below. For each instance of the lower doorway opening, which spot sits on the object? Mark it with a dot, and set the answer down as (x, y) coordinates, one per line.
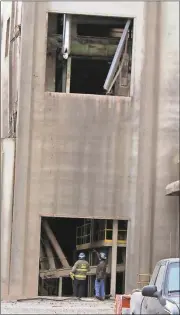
(62, 239)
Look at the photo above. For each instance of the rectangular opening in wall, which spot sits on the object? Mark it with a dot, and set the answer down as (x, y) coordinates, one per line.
(80, 53)
(7, 38)
(62, 239)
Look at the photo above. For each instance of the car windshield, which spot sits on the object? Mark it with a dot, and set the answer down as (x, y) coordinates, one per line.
(173, 280)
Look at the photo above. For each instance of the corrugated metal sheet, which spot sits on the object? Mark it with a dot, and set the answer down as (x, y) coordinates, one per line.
(84, 150)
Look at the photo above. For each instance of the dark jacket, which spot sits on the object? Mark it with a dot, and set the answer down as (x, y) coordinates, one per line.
(101, 270)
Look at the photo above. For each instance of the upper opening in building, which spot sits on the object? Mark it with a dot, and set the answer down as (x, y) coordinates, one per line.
(89, 54)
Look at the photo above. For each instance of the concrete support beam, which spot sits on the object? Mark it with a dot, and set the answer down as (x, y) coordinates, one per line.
(114, 258)
(147, 136)
(7, 181)
(24, 128)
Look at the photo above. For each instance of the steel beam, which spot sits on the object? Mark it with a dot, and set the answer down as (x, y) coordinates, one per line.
(55, 244)
(117, 57)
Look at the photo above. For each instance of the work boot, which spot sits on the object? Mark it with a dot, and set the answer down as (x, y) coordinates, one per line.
(98, 298)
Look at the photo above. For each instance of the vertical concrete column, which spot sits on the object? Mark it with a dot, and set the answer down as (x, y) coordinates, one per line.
(114, 257)
(22, 151)
(7, 180)
(148, 129)
(31, 270)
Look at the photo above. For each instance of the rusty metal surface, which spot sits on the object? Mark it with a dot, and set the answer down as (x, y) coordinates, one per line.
(83, 143)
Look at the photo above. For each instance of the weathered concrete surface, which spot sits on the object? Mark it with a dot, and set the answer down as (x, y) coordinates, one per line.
(85, 306)
(9, 64)
(147, 135)
(83, 144)
(46, 150)
(24, 272)
(21, 188)
(105, 8)
(6, 203)
(5, 15)
(165, 208)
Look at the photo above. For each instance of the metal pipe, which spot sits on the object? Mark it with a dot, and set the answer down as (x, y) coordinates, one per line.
(55, 244)
(66, 36)
(60, 287)
(114, 258)
(117, 56)
(116, 75)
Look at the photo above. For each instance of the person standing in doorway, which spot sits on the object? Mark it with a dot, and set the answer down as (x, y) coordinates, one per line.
(79, 274)
(100, 276)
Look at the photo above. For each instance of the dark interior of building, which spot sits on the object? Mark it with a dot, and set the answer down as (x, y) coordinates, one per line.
(65, 232)
(94, 41)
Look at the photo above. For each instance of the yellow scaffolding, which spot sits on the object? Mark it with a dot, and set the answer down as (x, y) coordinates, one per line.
(85, 234)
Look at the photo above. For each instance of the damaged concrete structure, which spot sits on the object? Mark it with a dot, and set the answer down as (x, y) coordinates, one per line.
(85, 149)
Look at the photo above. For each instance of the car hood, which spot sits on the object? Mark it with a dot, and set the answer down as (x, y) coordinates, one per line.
(175, 300)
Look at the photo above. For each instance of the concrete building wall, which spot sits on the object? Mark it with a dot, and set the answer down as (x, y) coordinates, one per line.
(45, 180)
(10, 64)
(166, 209)
(5, 15)
(83, 143)
(7, 182)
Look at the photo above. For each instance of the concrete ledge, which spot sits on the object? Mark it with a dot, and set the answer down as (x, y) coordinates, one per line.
(173, 189)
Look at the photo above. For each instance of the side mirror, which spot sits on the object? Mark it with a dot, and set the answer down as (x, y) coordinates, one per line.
(150, 291)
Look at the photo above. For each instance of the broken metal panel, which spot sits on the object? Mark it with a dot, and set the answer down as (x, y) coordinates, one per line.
(117, 57)
(116, 75)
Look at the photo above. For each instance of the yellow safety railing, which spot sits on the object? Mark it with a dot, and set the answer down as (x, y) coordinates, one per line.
(122, 235)
(84, 235)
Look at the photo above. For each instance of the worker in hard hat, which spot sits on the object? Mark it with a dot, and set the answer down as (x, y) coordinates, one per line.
(79, 274)
(100, 276)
